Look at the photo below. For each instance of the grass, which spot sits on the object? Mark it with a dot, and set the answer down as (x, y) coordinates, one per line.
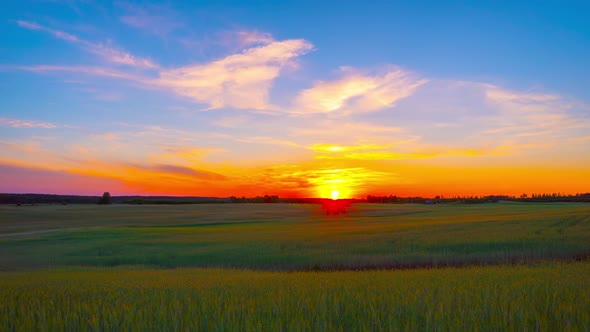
(546, 297)
(291, 237)
(254, 267)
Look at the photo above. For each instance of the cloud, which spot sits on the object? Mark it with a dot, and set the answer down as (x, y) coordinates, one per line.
(184, 154)
(358, 91)
(240, 39)
(379, 155)
(16, 123)
(254, 37)
(349, 181)
(56, 33)
(185, 171)
(492, 119)
(240, 80)
(386, 152)
(96, 71)
(501, 95)
(341, 148)
(120, 57)
(105, 51)
(532, 114)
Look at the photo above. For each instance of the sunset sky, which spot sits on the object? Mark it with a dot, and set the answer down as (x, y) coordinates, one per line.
(296, 99)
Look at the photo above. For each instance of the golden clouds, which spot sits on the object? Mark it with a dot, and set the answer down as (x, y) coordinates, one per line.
(358, 92)
(321, 181)
(385, 152)
(340, 148)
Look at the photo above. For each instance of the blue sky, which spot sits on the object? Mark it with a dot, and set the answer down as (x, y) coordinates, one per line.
(383, 92)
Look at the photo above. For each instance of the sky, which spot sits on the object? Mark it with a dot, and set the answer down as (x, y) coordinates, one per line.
(295, 98)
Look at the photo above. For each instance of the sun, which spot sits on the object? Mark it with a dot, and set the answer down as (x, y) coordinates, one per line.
(335, 194)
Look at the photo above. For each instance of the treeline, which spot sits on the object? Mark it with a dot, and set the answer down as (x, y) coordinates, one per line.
(174, 200)
(257, 199)
(392, 199)
(536, 198)
(32, 199)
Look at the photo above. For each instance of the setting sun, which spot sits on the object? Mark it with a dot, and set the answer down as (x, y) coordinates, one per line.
(334, 194)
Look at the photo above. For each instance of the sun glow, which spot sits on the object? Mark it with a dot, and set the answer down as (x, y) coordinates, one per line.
(334, 194)
(334, 190)
(336, 183)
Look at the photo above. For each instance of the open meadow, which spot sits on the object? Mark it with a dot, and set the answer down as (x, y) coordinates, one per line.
(290, 236)
(290, 267)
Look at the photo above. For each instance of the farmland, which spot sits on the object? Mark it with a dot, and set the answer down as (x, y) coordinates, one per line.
(290, 267)
(550, 296)
(290, 237)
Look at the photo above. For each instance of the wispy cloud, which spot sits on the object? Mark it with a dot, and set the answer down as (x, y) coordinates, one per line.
(242, 38)
(181, 171)
(185, 154)
(96, 71)
(104, 51)
(56, 33)
(501, 95)
(120, 57)
(532, 114)
(341, 148)
(392, 151)
(239, 81)
(358, 91)
(253, 37)
(16, 123)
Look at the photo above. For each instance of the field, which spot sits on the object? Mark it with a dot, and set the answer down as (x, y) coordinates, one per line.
(547, 297)
(289, 267)
(290, 237)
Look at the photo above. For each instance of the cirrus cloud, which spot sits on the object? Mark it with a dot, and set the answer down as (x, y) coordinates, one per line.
(104, 51)
(16, 123)
(358, 91)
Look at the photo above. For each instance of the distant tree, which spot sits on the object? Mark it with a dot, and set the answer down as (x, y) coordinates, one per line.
(105, 199)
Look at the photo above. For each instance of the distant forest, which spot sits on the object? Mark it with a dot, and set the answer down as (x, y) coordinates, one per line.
(32, 199)
(534, 198)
